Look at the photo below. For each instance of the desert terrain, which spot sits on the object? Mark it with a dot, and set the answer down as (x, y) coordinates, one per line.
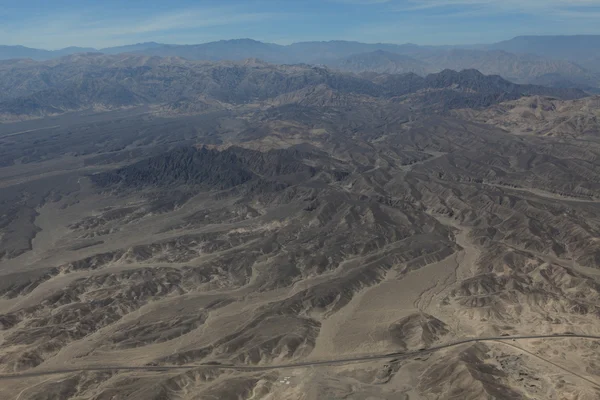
(258, 231)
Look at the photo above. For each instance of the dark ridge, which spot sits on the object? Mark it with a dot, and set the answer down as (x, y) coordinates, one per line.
(183, 166)
(211, 168)
(274, 162)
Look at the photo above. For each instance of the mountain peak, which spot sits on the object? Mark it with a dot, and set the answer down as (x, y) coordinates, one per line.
(246, 41)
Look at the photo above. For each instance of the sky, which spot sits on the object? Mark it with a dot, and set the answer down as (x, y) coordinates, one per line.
(55, 24)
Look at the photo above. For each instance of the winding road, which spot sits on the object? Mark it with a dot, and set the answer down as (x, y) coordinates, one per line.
(396, 356)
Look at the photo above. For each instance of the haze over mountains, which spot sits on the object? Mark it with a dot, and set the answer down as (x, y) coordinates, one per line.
(582, 49)
(556, 61)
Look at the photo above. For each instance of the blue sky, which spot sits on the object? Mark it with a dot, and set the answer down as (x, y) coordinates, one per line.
(54, 24)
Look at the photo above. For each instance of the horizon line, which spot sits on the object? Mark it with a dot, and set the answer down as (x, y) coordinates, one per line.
(293, 43)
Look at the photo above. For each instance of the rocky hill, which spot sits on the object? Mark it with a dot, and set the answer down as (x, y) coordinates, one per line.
(543, 116)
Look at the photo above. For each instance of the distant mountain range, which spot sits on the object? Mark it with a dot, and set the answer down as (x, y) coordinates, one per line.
(581, 49)
(561, 61)
(37, 89)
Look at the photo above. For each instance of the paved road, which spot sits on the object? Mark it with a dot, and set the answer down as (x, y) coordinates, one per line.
(28, 131)
(397, 355)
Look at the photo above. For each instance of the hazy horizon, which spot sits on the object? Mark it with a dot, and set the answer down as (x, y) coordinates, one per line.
(67, 23)
(287, 44)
